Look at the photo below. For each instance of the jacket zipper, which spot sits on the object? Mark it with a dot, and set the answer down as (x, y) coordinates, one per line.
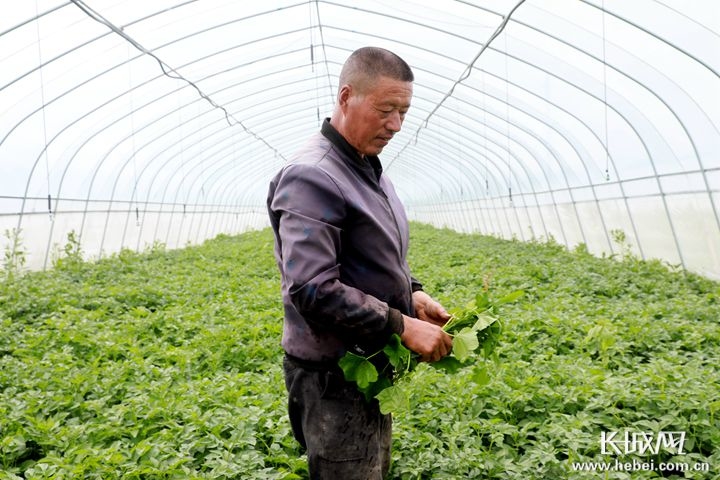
(399, 233)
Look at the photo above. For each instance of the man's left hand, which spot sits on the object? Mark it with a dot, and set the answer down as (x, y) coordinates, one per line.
(428, 309)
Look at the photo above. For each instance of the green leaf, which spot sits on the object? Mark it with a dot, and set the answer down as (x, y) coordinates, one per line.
(397, 353)
(489, 342)
(482, 302)
(464, 344)
(511, 297)
(374, 388)
(483, 321)
(358, 369)
(449, 364)
(480, 375)
(460, 320)
(393, 400)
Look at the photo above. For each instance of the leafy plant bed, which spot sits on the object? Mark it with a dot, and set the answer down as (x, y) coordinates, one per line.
(166, 365)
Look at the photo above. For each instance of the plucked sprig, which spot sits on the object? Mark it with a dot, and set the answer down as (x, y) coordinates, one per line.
(475, 330)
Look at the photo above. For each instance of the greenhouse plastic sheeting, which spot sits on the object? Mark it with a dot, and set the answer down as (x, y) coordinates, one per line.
(127, 124)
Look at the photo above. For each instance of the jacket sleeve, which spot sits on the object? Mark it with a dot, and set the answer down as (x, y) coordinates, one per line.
(310, 209)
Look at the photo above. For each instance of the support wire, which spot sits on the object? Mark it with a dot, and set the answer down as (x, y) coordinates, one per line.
(464, 76)
(605, 104)
(325, 57)
(170, 72)
(44, 118)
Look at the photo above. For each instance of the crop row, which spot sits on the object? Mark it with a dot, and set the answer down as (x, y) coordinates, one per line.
(166, 364)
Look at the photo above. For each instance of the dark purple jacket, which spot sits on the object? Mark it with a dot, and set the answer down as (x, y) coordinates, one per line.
(341, 239)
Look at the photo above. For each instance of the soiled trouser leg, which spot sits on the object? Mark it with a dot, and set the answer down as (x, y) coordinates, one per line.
(346, 437)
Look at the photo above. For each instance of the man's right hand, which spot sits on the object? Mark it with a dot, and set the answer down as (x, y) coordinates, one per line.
(426, 339)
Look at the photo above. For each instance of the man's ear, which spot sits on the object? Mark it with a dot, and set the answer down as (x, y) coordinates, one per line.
(344, 95)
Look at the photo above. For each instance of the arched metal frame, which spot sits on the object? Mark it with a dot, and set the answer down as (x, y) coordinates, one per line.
(512, 147)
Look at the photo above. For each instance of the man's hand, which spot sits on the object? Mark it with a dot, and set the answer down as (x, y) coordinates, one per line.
(428, 309)
(425, 338)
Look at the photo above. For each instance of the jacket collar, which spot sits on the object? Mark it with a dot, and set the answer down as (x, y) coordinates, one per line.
(367, 161)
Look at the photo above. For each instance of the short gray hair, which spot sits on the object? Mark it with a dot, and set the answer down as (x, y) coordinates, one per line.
(368, 63)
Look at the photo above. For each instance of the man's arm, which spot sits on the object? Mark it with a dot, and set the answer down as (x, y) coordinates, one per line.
(310, 209)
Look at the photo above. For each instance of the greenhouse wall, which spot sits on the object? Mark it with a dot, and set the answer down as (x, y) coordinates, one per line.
(682, 233)
(104, 229)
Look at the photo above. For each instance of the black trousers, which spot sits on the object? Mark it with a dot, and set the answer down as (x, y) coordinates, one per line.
(345, 436)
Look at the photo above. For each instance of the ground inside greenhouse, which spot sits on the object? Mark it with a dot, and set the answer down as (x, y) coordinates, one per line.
(166, 364)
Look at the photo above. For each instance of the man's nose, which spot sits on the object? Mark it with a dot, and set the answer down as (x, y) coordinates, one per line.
(394, 121)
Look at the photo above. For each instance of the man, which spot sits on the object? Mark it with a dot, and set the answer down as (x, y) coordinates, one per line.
(341, 238)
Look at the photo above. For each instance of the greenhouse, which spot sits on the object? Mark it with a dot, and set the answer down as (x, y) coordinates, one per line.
(559, 166)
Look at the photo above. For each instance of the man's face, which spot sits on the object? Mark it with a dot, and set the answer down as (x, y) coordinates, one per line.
(374, 117)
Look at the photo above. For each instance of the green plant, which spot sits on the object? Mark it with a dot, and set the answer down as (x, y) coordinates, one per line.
(167, 364)
(620, 239)
(475, 329)
(15, 255)
(71, 255)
